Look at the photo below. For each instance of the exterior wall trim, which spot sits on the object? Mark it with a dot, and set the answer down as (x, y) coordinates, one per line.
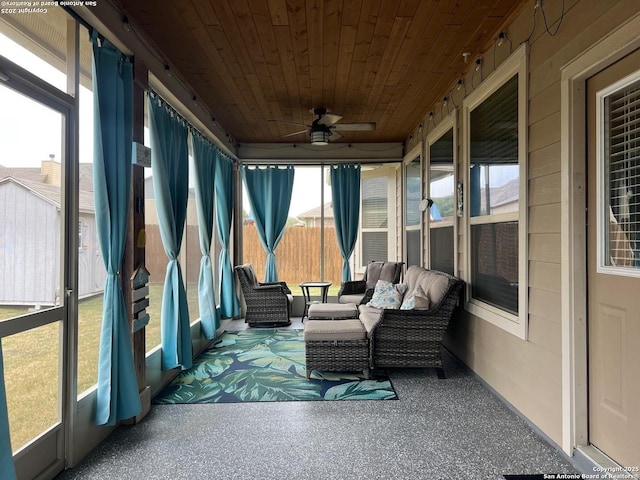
(620, 42)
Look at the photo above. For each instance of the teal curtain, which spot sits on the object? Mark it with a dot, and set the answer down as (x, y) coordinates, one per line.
(6, 457)
(170, 167)
(205, 166)
(117, 397)
(269, 190)
(229, 304)
(345, 193)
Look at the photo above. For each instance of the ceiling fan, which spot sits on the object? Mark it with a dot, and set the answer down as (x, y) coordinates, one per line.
(326, 126)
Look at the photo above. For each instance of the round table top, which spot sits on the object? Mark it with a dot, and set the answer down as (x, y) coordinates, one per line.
(315, 284)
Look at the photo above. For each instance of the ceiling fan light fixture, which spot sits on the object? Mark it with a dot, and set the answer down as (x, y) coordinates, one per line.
(319, 137)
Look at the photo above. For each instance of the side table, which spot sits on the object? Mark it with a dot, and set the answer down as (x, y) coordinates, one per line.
(324, 291)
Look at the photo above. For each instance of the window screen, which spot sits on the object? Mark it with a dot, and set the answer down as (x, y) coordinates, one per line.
(494, 198)
(441, 241)
(494, 175)
(413, 247)
(494, 264)
(374, 240)
(374, 247)
(374, 202)
(442, 212)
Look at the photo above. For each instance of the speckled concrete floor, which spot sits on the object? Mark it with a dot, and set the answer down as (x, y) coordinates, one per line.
(438, 429)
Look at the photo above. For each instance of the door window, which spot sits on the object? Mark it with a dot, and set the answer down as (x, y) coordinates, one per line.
(619, 187)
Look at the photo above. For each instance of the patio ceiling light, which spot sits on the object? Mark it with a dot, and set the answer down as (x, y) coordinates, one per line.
(319, 137)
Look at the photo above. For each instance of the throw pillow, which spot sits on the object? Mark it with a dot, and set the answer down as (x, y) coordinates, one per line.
(417, 300)
(409, 302)
(385, 295)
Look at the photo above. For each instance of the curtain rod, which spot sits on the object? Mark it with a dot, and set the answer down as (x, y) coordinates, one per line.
(78, 18)
(192, 129)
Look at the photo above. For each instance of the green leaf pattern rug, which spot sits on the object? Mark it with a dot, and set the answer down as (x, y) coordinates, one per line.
(266, 366)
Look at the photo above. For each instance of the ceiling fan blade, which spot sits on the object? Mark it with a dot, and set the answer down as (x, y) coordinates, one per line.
(295, 133)
(361, 127)
(335, 136)
(329, 119)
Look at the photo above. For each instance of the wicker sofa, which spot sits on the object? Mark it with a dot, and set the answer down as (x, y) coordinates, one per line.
(413, 338)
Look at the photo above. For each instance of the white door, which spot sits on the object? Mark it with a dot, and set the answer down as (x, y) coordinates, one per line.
(614, 260)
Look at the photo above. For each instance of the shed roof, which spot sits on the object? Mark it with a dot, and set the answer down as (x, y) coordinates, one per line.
(52, 193)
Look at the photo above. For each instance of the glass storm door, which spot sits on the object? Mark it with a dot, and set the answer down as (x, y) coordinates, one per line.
(33, 273)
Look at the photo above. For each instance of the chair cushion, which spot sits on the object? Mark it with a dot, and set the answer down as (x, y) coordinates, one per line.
(387, 271)
(385, 295)
(370, 317)
(323, 330)
(433, 283)
(351, 298)
(332, 311)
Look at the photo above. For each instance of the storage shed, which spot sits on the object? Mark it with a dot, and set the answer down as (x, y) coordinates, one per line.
(30, 244)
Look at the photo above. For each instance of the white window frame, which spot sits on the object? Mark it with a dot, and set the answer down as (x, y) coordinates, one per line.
(449, 123)
(601, 180)
(414, 153)
(516, 63)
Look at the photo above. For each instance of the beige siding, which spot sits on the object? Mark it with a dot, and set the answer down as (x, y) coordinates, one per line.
(399, 216)
(528, 373)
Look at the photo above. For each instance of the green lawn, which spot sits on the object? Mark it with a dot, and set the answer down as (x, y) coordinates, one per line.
(31, 361)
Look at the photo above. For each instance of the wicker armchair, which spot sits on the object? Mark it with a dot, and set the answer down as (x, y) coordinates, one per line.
(268, 304)
(413, 338)
(360, 291)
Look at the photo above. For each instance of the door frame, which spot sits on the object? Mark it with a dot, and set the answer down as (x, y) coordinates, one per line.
(46, 454)
(575, 414)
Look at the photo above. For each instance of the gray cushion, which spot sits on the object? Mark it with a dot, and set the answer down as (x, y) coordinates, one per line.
(353, 298)
(323, 330)
(434, 284)
(290, 297)
(370, 317)
(331, 311)
(386, 271)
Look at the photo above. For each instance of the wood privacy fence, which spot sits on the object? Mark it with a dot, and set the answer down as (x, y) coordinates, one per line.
(297, 255)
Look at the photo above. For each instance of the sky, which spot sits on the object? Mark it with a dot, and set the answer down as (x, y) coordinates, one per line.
(29, 131)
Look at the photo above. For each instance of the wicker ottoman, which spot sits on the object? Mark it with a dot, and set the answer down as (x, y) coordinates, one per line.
(332, 311)
(336, 346)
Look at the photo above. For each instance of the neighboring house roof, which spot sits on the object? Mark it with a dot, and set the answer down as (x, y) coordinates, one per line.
(86, 177)
(316, 212)
(35, 174)
(27, 173)
(52, 193)
(507, 193)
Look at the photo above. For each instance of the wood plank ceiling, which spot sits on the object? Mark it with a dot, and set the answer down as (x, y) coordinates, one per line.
(383, 61)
